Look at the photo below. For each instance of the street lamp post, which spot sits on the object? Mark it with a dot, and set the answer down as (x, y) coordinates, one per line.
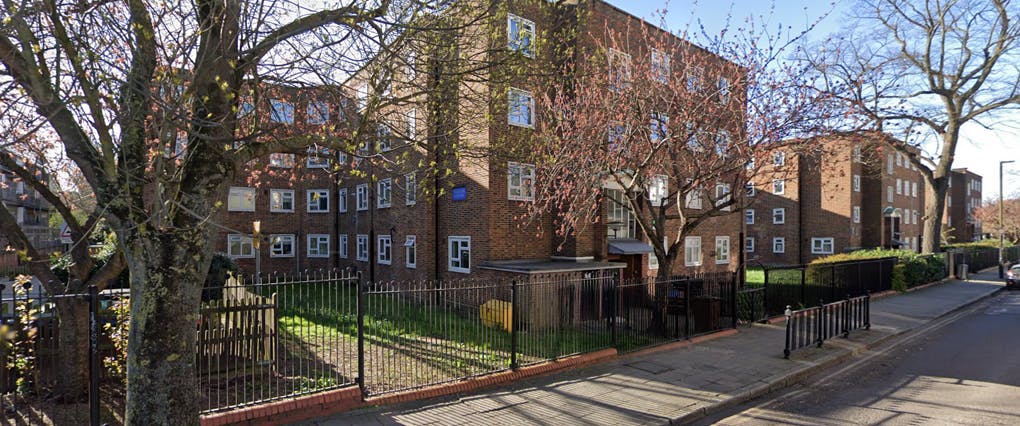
(1001, 227)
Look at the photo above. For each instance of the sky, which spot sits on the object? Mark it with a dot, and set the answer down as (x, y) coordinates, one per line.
(980, 149)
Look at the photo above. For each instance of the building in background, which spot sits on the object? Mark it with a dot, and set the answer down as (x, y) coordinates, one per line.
(846, 192)
(400, 223)
(964, 197)
(30, 209)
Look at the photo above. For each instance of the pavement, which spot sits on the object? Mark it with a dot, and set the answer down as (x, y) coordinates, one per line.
(681, 385)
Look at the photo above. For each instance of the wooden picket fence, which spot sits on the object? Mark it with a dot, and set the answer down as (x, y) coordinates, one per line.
(237, 332)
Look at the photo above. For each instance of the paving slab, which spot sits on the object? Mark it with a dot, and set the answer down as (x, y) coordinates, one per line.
(677, 385)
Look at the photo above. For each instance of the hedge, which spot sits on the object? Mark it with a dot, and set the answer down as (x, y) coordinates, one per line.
(911, 269)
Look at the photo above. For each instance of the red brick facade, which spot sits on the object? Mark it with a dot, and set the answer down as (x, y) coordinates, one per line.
(472, 207)
(847, 193)
(963, 198)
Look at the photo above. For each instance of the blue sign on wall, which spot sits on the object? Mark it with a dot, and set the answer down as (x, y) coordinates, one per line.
(459, 193)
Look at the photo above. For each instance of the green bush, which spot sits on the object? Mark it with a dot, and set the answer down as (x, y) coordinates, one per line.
(916, 269)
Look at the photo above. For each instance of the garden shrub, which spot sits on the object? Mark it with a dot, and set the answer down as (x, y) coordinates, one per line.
(916, 268)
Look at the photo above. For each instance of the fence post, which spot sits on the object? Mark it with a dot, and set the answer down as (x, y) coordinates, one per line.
(614, 308)
(765, 292)
(513, 324)
(803, 286)
(733, 297)
(93, 355)
(832, 283)
(789, 322)
(687, 309)
(867, 310)
(821, 322)
(361, 336)
(846, 317)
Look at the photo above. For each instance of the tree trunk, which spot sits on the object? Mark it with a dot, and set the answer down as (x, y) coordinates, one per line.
(73, 344)
(659, 290)
(935, 204)
(167, 270)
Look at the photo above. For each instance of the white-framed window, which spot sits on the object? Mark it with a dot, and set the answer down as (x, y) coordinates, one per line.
(317, 200)
(281, 245)
(411, 252)
(750, 190)
(341, 200)
(779, 216)
(318, 245)
(240, 246)
(724, 89)
(281, 111)
(241, 199)
(658, 189)
(906, 216)
(410, 189)
(722, 143)
(343, 246)
(779, 158)
(520, 35)
(857, 214)
(889, 193)
(723, 196)
(653, 261)
(317, 158)
(749, 244)
(521, 108)
(245, 109)
(384, 191)
(778, 186)
(749, 216)
(520, 181)
(779, 245)
(659, 126)
(692, 199)
(617, 135)
(281, 160)
(619, 70)
(821, 245)
(361, 247)
(899, 159)
(692, 251)
(459, 254)
(899, 187)
(383, 138)
(913, 189)
(693, 138)
(384, 250)
(317, 112)
(722, 249)
(889, 164)
(857, 183)
(857, 154)
(281, 200)
(660, 66)
(916, 216)
(361, 197)
(694, 77)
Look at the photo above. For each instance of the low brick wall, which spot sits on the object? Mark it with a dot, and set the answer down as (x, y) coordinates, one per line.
(337, 401)
(346, 399)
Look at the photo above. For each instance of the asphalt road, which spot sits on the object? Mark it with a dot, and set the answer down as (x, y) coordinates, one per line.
(963, 370)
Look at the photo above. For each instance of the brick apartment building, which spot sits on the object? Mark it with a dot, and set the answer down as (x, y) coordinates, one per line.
(407, 223)
(962, 199)
(847, 193)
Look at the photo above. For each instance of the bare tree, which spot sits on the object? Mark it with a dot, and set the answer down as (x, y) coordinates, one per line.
(121, 83)
(669, 131)
(922, 71)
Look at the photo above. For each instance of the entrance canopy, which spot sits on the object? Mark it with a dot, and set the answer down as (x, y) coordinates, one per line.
(628, 246)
